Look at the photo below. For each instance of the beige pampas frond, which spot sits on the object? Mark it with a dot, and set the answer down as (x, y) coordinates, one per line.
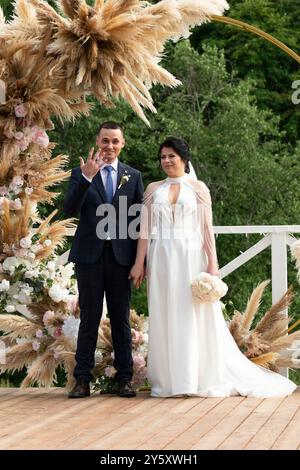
(41, 371)
(266, 360)
(17, 326)
(18, 356)
(253, 305)
(100, 48)
(275, 314)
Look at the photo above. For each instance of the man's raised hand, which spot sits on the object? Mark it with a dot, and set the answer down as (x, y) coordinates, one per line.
(93, 162)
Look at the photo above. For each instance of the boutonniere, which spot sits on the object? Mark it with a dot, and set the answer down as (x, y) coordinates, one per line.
(125, 178)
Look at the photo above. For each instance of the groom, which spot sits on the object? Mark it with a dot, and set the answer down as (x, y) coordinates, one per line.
(103, 258)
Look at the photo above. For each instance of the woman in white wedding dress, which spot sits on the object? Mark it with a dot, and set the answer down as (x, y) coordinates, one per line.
(191, 351)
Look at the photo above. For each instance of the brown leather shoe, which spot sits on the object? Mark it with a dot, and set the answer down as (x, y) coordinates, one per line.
(125, 389)
(81, 389)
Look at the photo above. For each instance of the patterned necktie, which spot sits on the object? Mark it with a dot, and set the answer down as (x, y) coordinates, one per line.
(109, 184)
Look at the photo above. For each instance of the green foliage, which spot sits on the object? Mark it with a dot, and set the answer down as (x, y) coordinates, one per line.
(238, 149)
(253, 57)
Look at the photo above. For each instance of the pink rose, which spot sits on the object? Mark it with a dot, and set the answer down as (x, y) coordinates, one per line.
(19, 135)
(36, 345)
(48, 316)
(40, 137)
(57, 332)
(3, 190)
(20, 111)
(16, 204)
(139, 361)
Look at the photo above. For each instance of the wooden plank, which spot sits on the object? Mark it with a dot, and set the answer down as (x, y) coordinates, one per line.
(216, 410)
(213, 438)
(93, 423)
(289, 439)
(275, 425)
(251, 425)
(132, 433)
(179, 424)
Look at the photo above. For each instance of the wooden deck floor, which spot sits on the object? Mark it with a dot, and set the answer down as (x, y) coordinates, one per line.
(34, 419)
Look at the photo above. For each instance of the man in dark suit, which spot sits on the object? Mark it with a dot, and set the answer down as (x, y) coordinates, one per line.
(103, 251)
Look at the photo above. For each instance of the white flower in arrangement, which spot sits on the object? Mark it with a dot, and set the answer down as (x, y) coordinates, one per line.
(28, 191)
(66, 273)
(39, 334)
(30, 274)
(36, 247)
(208, 288)
(58, 294)
(31, 256)
(10, 264)
(47, 242)
(70, 327)
(25, 242)
(4, 285)
(10, 308)
(51, 266)
(16, 184)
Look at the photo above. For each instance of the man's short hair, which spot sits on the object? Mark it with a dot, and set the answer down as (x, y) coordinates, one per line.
(111, 125)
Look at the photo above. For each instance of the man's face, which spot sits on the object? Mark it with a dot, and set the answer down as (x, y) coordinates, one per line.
(110, 143)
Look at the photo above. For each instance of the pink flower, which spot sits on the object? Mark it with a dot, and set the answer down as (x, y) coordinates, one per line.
(139, 361)
(57, 332)
(39, 333)
(72, 303)
(20, 111)
(39, 136)
(9, 133)
(3, 190)
(48, 316)
(19, 135)
(109, 371)
(136, 336)
(16, 204)
(35, 345)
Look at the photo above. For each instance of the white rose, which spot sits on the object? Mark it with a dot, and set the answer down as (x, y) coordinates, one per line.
(25, 242)
(58, 294)
(10, 264)
(4, 285)
(47, 242)
(10, 308)
(29, 274)
(51, 266)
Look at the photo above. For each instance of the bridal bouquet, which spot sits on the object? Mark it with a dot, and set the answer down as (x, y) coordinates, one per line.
(208, 288)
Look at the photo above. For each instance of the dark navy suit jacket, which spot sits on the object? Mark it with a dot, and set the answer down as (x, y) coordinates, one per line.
(84, 198)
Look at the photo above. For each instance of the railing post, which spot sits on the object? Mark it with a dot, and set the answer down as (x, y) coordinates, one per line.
(279, 272)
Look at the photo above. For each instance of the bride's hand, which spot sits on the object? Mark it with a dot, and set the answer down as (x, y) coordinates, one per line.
(137, 274)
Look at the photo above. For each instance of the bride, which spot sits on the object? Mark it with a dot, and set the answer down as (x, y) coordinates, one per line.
(191, 351)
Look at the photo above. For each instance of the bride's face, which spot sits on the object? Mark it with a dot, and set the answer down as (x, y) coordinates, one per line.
(171, 163)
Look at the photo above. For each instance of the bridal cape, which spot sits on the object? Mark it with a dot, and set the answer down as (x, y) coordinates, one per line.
(191, 351)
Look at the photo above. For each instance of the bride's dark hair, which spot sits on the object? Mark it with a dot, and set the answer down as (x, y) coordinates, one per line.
(180, 146)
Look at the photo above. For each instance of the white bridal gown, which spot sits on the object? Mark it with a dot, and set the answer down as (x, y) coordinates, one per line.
(191, 350)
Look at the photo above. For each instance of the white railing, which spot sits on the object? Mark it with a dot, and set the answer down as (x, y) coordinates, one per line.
(279, 237)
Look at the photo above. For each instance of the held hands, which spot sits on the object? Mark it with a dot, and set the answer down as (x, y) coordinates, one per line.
(137, 274)
(92, 165)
